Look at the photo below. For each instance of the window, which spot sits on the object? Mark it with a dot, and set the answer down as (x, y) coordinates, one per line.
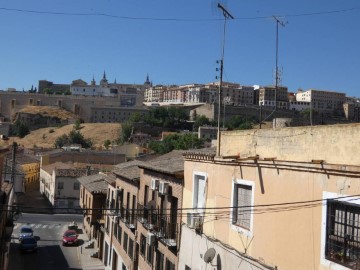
(76, 185)
(169, 265)
(60, 185)
(199, 191)
(242, 199)
(150, 254)
(159, 260)
(142, 244)
(343, 233)
(131, 248)
(125, 241)
(119, 232)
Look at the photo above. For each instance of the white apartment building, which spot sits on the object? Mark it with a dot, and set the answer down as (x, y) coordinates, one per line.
(234, 94)
(154, 93)
(59, 184)
(81, 88)
(322, 100)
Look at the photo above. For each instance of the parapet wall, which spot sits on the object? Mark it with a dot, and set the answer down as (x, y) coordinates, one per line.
(334, 144)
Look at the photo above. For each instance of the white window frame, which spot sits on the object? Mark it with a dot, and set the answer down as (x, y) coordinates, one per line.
(235, 227)
(201, 174)
(323, 260)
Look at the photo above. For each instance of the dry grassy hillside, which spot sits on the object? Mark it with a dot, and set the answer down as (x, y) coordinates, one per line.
(43, 137)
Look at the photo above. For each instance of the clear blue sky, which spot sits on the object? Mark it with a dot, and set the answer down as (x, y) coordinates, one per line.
(178, 42)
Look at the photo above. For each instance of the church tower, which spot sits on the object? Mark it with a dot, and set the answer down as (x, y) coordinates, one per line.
(147, 83)
(93, 82)
(104, 81)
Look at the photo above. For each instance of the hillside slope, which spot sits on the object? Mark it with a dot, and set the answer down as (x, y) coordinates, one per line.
(97, 132)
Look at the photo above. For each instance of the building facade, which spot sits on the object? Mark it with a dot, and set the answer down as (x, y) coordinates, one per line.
(93, 191)
(274, 199)
(269, 95)
(59, 184)
(142, 229)
(322, 100)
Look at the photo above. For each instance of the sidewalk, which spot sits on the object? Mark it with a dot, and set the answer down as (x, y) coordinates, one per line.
(88, 262)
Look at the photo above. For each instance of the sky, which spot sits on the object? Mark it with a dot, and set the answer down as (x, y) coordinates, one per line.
(180, 42)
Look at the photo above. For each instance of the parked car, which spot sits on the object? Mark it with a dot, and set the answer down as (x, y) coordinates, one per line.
(28, 244)
(25, 231)
(70, 237)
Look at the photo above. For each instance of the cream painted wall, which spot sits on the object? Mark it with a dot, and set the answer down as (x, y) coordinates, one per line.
(286, 239)
(332, 143)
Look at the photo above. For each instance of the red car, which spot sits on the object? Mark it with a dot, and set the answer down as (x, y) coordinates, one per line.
(70, 237)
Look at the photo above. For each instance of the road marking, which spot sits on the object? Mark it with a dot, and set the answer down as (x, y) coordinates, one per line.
(44, 226)
(32, 225)
(52, 226)
(37, 226)
(16, 225)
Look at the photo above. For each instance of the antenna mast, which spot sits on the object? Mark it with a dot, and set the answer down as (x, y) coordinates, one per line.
(227, 15)
(277, 56)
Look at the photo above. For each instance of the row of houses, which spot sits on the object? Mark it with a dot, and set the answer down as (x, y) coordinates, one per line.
(270, 199)
(322, 101)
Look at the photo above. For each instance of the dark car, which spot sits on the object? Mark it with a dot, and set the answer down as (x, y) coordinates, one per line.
(70, 237)
(25, 231)
(28, 244)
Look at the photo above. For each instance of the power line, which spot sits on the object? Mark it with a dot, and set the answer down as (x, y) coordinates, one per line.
(99, 14)
(256, 209)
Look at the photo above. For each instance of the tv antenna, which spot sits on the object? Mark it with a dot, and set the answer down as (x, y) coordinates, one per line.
(278, 21)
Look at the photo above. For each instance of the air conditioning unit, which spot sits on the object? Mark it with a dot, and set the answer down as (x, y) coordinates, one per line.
(154, 184)
(194, 220)
(163, 188)
(150, 239)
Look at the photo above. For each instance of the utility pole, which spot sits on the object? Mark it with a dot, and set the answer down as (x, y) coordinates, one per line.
(227, 15)
(277, 56)
(13, 164)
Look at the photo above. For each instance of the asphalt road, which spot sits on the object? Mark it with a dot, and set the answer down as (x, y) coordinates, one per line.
(50, 254)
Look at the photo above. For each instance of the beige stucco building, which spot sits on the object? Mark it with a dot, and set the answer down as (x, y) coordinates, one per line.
(274, 199)
(143, 221)
(59, 184)
(93, 192)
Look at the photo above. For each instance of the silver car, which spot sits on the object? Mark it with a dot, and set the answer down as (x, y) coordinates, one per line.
(25, 231)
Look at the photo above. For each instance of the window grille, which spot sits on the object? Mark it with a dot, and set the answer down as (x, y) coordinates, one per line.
(343, 233)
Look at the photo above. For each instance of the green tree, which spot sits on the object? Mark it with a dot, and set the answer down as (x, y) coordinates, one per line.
(201, 120)
(107, 143)
(178, 142)
(77, 124)
(61, 141)
(126, 131)
(74, 137)
(238, 122)
(136, 117)
(20, 129)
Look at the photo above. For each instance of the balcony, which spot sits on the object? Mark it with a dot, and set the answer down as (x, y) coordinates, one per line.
(128, 217)
(111, 206)
(163, 226)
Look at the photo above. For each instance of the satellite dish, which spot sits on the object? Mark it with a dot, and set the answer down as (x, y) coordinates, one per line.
(209, 255)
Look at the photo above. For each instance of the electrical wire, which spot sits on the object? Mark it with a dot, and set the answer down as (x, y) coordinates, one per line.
(99, 14)
(206, 211)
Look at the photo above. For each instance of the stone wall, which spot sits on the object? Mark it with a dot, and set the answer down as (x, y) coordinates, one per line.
(335, 144)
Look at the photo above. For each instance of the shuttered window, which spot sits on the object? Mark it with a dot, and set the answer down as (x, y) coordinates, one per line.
(242, 202)
(199, 191)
